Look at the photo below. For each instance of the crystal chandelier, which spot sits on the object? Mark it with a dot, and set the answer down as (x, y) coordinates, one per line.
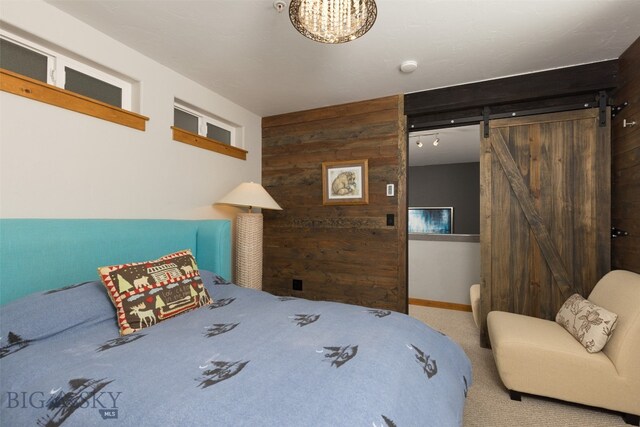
(333, 21)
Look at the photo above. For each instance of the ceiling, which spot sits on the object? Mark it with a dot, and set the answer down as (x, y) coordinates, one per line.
(249, 53)
(456, 145)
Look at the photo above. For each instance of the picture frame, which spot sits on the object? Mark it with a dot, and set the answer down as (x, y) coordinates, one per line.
(430, 220)
(345, 182)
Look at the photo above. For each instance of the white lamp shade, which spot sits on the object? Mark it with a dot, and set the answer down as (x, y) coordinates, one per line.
(252, 195)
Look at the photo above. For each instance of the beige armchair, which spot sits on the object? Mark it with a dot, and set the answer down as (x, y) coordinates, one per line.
(540, 357)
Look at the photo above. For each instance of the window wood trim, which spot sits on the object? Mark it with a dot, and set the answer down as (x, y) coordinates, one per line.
(20, 85)
(200, 141)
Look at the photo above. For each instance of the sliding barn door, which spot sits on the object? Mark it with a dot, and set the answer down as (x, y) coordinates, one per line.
(545, 211)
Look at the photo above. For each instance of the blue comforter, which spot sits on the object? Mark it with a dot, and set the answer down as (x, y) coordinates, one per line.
(250, 359)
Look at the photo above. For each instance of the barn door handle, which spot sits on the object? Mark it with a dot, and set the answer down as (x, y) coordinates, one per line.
(626, 123)
(616, 232)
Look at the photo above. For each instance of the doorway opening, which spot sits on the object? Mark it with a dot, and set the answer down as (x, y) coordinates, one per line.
(443, 179)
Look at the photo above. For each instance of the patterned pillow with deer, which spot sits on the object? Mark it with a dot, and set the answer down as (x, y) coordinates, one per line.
(145, 293)
(590, 324)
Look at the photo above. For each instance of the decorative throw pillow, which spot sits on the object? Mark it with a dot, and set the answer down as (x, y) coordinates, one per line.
(145, 293)
(591, 325)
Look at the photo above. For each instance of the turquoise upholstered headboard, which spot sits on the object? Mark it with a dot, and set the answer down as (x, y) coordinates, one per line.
(42, 254)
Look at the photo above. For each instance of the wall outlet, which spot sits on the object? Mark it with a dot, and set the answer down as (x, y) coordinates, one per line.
(297, 284)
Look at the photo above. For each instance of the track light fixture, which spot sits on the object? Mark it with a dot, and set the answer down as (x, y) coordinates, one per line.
(435, 142)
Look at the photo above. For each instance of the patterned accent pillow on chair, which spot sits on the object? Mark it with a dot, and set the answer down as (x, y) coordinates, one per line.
(145, 293)
(591, 325)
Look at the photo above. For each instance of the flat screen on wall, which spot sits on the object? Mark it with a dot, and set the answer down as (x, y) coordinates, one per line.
(431, 220)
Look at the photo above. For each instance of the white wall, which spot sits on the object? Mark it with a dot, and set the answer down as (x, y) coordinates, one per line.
(56, 163)
(443, 271)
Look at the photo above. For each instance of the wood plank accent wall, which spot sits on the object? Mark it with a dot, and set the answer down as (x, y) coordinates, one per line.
(341, 253)
(625, 209)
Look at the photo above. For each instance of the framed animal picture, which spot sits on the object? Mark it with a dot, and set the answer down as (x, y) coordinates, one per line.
(345, 182)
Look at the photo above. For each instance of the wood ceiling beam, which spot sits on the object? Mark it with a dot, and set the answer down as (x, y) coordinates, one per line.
(561, 82)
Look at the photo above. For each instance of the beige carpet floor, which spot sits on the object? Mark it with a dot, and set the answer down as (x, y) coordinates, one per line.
(488, 402)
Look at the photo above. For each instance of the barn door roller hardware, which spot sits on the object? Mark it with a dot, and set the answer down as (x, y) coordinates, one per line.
(486, 111)
(602, 105)
(616, 232)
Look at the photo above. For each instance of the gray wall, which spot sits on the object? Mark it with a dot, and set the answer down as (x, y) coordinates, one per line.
(456, 185)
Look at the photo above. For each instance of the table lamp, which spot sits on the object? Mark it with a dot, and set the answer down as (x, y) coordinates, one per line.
(248, 270)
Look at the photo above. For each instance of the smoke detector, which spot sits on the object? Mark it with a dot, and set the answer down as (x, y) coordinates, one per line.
(408, 66)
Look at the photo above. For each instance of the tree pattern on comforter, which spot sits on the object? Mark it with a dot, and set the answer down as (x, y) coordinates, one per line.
(250, 358)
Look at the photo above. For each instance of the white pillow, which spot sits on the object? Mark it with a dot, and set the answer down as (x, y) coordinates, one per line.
(591, 325)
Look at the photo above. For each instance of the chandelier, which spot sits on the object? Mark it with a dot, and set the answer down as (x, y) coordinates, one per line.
(333, 21)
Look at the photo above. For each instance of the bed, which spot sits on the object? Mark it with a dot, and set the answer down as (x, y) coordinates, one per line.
(248, 358)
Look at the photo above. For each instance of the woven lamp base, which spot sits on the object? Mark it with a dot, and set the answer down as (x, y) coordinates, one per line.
(249, 250)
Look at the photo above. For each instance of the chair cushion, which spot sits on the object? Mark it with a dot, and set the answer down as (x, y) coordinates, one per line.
(538, 356)
(619, 291)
